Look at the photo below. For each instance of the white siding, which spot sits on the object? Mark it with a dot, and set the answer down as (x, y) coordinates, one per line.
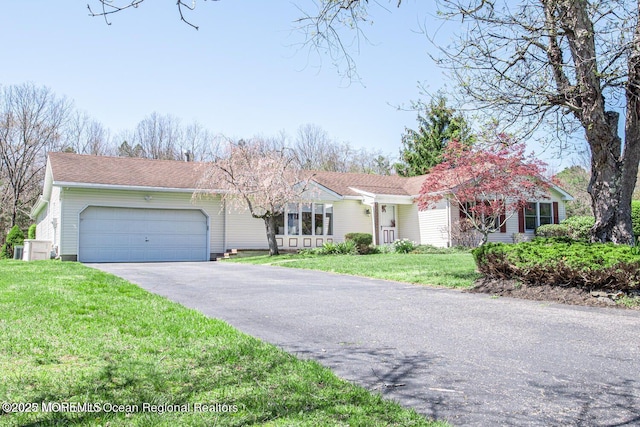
(350, 217)
(75, 200)
(244, 231)
(434, 225)
(49, 215)
(408, 224)
(508, 236)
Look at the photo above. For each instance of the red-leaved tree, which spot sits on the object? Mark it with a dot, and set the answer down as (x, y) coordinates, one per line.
(256, 176)
(488, 184)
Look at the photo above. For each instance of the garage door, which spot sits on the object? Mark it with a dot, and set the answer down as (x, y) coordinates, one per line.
(142, 235)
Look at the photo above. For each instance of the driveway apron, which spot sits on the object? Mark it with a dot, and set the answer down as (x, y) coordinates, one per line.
(469, 359)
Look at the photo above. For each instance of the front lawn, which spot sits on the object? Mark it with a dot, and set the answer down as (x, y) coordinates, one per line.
(74, 336)
(452, 270)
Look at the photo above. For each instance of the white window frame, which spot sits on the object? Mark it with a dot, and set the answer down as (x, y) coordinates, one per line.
(537, 217)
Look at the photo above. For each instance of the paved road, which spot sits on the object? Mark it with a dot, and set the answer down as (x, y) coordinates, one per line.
(470, 359)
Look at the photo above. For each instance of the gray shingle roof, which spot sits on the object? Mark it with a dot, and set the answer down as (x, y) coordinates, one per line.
(123, 171)
(137, 172)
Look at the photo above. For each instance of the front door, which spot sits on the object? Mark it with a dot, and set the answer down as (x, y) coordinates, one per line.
(388, 229)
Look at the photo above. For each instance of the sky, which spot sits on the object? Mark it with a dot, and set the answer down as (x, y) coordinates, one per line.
(244, 73)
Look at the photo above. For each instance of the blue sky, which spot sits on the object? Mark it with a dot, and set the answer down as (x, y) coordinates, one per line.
(241, 74)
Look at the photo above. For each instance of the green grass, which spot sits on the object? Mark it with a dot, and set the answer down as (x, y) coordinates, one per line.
(69, 333)
(452, 270)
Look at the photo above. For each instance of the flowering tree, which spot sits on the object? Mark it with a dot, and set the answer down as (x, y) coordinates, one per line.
(256, 176)
(488, 184)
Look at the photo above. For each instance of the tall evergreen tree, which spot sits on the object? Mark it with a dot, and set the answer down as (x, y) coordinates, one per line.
(437, 125)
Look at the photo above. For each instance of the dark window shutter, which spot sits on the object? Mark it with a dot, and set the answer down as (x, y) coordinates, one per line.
(556, 213)
(521, 220)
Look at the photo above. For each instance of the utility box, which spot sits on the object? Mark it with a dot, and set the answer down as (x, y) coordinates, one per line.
(36, 250)
(18, 251)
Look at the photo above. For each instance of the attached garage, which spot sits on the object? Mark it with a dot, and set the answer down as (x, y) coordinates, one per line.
(117, 234)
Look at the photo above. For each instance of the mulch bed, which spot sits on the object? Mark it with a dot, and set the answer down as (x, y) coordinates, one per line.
(560, 294)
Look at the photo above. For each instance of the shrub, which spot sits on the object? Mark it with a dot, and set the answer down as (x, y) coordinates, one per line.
(385, 249)
(635, 217)
(580, 227)
(562, 262)
(310, 251)
(552, 230)
(362, 241)
(15, 237)
(330, 248)
(347, 248)
(404, 246)
(31, 233)
(430, 249)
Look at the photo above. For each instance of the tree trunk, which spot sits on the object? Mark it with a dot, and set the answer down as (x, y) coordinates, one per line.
(631, 155)
(270, 225)
(613, 170)
(610, 187)
(485, 238)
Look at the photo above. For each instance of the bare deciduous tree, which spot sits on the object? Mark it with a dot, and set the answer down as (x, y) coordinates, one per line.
(314, 149)
(160, 137)
(86, 136)
(198, 143)
(109, 7)
(32, 120)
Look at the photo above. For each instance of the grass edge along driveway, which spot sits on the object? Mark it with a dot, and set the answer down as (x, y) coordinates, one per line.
(75, 335)
(451, 270)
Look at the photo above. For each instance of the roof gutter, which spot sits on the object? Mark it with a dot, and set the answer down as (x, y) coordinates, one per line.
(129, 187)
(39, 205)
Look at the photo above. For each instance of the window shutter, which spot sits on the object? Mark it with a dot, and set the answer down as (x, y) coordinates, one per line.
(556, 213)
(503, 221)
(521, 220)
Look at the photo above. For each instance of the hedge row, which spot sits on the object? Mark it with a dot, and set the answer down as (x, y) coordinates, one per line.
(562, 262)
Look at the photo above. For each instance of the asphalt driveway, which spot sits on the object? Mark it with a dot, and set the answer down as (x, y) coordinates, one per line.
(467, 358)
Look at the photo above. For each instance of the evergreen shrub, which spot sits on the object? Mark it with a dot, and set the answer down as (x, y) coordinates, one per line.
(362, 241)
(31, 233)
(579, 227)
(15, 237)
(561, 261)
(552, 230)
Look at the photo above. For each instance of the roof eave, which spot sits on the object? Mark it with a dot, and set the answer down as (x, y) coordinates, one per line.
(565, 196)
(385, 198)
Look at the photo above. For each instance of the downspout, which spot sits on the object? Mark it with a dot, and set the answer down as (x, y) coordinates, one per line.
(376, 224)
(448, 223)
(224, 225)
